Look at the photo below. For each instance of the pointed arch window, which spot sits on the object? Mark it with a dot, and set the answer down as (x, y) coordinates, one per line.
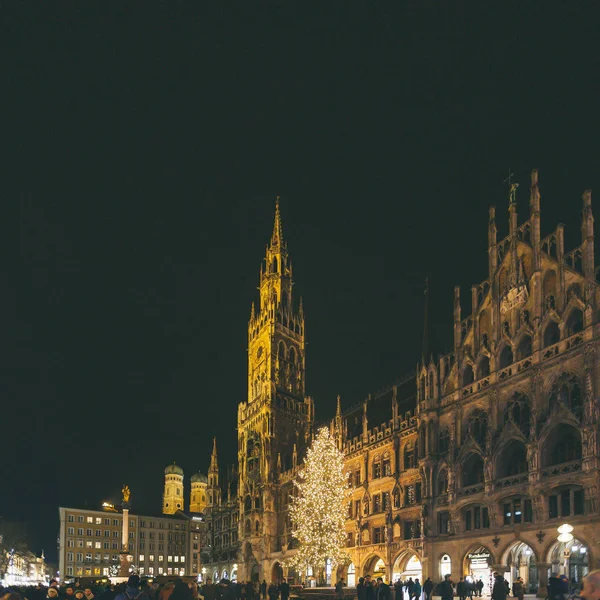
(410, 461)
(377, 467)
(386, 465)
(478, 426)
(518, 412)
(567, 391)
(444, 440)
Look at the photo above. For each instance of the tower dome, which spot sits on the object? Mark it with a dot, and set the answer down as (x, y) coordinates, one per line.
(174, 470)
(173, 492)
(199, 478)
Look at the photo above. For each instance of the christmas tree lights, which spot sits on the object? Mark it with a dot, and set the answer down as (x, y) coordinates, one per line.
(318, 511)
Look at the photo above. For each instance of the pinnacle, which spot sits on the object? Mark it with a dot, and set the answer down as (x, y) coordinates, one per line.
(277, 237)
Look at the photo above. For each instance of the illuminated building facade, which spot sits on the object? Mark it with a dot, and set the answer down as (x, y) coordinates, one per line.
(470, 465)
(90, 543)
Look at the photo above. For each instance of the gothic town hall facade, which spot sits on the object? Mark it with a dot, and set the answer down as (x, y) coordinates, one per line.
(469, 466)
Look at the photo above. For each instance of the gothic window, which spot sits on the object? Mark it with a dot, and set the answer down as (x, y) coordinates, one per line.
(566, 502)
(292, 355)
(431, 390)
(376, 503)
(443, 482)
(281, 350)
(257, 503)
(476, 517)
(387, 467)
(472, 470)
(524, 348)
(517, 510)
(409, 456)
(477, 426)
(551, 334)
(247, 527)
(549, 288)
(512, 460)
(483, 367)
(506, 357)
(444, 524)
(422, 388)
(377, 467)
(467, 376)
(575, 322)
(385, 501)
(443, 440)
(567, 391)
(357, 477)
(518, 412)
(563, 445)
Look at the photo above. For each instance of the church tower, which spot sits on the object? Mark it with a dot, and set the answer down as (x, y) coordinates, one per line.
(198, 494)
(276, 421)
(173, 494)
(214, 491)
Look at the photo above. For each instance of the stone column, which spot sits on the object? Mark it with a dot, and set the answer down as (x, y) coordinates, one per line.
(542, 580)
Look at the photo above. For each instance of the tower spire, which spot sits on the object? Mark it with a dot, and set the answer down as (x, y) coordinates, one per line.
(213, 459)
(425, 346)
(277, 237)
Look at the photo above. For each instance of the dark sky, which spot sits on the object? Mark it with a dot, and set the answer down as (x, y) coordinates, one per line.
(144, 144)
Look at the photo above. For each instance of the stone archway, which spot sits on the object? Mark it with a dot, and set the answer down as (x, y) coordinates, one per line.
(521, 560)
(407, 565)
(276, 573)
(572, 559)
(477, 564)
(374, 566)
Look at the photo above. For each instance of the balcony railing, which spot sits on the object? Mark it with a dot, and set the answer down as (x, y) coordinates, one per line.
(569, 467)
(469, 490)
(512, 480)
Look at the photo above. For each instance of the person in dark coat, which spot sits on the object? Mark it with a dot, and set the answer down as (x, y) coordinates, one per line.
(479, 587)
(339, 589)
(428, 588)
(446, 588)
(273, 592)
(383, 590)
(370, 589)
(499, 591)
(398, 590)
(361, 589)
(461, 589)
(263, 589)
(284, 588)
(225, 590)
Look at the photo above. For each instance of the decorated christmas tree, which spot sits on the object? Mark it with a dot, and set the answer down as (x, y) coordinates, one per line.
(317, 511)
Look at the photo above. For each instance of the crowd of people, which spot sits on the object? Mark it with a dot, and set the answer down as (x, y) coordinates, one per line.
(559, 588)
(137, 589)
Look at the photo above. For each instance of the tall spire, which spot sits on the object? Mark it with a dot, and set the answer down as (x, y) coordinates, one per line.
(425, 345)
(213, 459)
(277, 237)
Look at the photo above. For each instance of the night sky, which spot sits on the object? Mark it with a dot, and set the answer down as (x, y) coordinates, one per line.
(144, 145)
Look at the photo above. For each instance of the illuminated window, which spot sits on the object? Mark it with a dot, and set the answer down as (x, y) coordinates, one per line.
(183, 559)
(150, 570)
(160, 570)
(169, 571)
(176, 559)
(169, 559)
(141, 558)
(161, 558)
(98, 520)
(88, 544)
(80, 543)
(98, 545)
(88, 571)
(90, 519)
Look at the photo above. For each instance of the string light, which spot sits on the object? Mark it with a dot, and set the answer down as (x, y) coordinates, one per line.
(317, 510)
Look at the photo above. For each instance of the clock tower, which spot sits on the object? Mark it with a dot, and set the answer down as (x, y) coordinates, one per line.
(275, 423)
